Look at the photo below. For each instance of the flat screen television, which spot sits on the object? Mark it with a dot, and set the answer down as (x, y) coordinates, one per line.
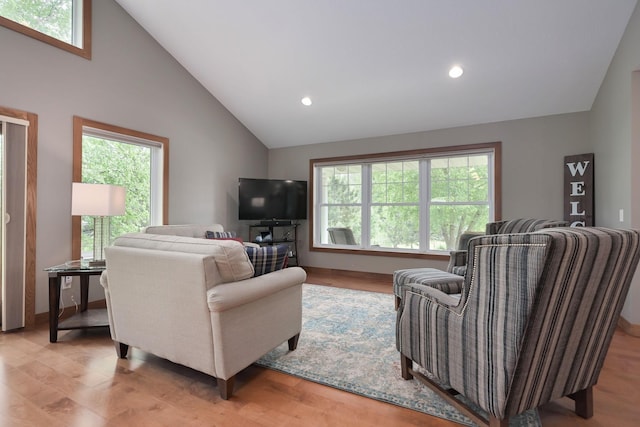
(272, 199)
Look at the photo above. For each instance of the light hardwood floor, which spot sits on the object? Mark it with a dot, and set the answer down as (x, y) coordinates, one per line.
(80, 382)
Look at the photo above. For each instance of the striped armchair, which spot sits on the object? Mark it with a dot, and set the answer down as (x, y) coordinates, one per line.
(447, 281)
(533, 323)
(458, 258)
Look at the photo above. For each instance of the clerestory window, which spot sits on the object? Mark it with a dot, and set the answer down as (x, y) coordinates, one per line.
(65, 24)
(415, 203)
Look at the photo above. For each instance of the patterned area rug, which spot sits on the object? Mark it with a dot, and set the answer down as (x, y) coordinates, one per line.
(348, 342)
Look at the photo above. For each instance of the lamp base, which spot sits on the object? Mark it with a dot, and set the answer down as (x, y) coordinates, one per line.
(101, 239)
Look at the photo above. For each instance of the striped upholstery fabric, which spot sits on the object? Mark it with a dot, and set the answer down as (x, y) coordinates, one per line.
(220, 234)
(457, 262)
(459, 270)
(438, 279)
(463, 240)
(522, 225)
(458, 259)
(535, 319)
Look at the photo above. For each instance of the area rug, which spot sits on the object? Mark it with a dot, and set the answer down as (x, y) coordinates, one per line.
(348, 342)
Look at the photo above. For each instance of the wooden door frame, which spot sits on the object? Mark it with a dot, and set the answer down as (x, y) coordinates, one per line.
(30, 225)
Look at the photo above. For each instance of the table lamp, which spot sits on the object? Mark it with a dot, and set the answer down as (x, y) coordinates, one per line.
(100, 201)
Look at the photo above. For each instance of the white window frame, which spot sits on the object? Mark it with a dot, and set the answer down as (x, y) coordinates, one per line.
(157, 161)
(318, 223)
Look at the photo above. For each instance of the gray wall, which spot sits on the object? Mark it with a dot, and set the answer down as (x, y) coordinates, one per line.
(131, 82)
(616, 145)
(533, 151)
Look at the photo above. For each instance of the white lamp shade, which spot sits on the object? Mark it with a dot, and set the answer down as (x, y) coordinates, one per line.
(97, 199)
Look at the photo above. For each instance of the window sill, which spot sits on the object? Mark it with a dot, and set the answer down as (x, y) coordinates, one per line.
(386, 253)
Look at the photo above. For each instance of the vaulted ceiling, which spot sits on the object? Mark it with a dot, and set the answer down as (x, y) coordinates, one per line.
(380, 67)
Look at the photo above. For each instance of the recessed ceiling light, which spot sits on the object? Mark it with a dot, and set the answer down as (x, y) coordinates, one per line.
(306, 101)
(455, 72)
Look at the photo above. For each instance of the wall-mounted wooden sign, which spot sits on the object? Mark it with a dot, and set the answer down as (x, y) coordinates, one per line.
(578, 190)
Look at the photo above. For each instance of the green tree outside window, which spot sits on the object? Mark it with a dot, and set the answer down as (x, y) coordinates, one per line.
(459, 199)
(129, 165)
(51, 17)
(455, 200)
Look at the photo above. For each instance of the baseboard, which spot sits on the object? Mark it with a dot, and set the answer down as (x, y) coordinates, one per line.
(43, 318)
(628, 327)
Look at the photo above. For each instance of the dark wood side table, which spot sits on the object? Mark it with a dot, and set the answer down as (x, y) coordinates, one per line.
(85, 318)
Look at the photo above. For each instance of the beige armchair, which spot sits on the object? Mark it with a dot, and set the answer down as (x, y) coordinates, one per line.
(533, 322)
(195, 302)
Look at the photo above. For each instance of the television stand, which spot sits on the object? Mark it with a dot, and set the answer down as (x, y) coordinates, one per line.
(279, 233)
(275, 222)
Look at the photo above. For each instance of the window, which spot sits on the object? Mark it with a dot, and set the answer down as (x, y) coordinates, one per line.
(416, 202)
(341, 191)
(395, 204)
(65, 24)
(105, 154)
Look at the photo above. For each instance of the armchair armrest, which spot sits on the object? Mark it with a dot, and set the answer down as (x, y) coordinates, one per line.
(457, 259)
(436, 295)
(226, 296)
(252, 316)
(463, 241)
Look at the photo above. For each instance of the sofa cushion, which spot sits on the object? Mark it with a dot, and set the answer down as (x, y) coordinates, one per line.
(448, 283)
(268, 258)
(186, 230)
(231, 258)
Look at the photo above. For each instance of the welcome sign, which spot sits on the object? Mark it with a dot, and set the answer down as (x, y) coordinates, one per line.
(578, 190)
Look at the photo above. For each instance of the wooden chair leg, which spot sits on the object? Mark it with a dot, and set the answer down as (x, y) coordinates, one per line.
(293, 342)
(406, 365)
(583, 402)
(121, 349)
(226, 387)
(449, 396)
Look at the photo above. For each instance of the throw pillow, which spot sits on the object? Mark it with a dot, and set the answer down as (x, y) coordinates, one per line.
(267, 258)
(220, 234)
(223, 235)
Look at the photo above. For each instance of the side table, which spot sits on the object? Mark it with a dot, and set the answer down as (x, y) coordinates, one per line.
(85, 318)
